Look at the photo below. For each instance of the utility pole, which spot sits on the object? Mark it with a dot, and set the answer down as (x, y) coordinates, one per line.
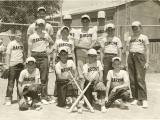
(128, 16)
(61, 2)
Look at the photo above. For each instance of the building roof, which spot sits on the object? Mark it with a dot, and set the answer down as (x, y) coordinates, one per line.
(109, 4)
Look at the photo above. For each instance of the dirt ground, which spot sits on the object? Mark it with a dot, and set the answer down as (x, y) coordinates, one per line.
(55, 113)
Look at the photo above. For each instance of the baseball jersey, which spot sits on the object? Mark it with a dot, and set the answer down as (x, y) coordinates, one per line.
(71, 36)
(117, 78)
(111, 46)
(137, 45)
(15, 50)
(101, 33)
(63, 69)
(48, 29)
(93, 70)
(27, 79)
(39, 44)
(67, 44)
(86, 37)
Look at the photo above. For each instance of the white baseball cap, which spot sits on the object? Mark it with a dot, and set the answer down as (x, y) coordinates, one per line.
(86, 16)
(40, 21)
(41, 8)
(64, 28)
(63, 49)
(136, 23)
(30, 59)
(101, 14)
(111, 25)
(116, 58)
(92, 52)
(67, 17)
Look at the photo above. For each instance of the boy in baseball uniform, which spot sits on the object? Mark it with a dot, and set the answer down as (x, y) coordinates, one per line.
(111, 47)
(29, 76)
(15, 60)
(137, 61)
(37, 49)
(93, 72)
(65, 84)
(117, 84)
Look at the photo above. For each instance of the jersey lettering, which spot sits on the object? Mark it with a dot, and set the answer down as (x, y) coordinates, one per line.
(101, 31)
(65, 44)
(66, 69)
(117, 80)
(17, 47)
(39, 39)
(32, 79)
(93, 69)
(85, 35)
(71, 34)
(137, 40)
(110, 43)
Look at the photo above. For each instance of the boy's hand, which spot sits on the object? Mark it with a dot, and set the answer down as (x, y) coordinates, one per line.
(114, 89)
(106, 99)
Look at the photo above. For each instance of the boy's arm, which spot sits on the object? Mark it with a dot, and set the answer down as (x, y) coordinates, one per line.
(29, 50)
(8, 60)
(102, 55)
(126, 84)
(120, 52)
(86, 76)
(20, 89)
(147, 56)
(54, 57)
(73, 55)
(107, 89)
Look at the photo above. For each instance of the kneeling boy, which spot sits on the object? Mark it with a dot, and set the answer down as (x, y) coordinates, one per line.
(29, 77)
(117, 84)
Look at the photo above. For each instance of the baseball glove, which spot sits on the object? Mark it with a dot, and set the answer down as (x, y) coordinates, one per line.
(5, 74)
(23, 105)
(33, 88)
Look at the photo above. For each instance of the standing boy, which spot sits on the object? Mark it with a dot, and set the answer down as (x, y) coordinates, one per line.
(111, 47)
(117, 84)
(137, 61)
(15, 59)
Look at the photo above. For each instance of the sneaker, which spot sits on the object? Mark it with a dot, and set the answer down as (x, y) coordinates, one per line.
(44, 102)
(145, 104)
(35, 107)
(79, 111)
(134, 102)
(8, 103)
(122, 105)
(117, 102)
(103, 109)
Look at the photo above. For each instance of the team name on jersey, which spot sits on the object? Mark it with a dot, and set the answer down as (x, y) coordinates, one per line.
(71, 34)
(39, 39)
(110, 43)
(85, 35)
(66, 69)
(93, 69)
(117, 80)
(17, 47)
(31, 79)
(101, 31)
(137, 40)
(65, 44)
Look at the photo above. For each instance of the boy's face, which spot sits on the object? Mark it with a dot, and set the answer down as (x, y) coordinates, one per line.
(101, 20)
(110, 31)
(92, 58)
(67, 22)
(31, 66)
(18, 35)
(40, 26)
(63, 55)
(85, 22)
(116, 64)
(135, 29)
(41, 14)
(65, 32)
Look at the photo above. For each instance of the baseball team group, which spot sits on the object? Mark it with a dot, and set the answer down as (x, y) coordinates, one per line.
(87, 63)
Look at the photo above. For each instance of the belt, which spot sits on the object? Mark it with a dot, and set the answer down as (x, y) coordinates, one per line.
(38, 52)
(136, 53)
(111, 54)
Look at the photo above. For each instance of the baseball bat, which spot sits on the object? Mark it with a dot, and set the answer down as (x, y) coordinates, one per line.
(77, 100)
(84, 97)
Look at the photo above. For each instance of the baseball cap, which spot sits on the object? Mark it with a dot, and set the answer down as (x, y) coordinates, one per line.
(41, 8)
(111, 25)
(63, 49)
(64, 28)
(40, 21)
(92, 52)
(29, 59)
(85, 16)
(136, 23)
(67, 17)
(101, 14)
(116, 58)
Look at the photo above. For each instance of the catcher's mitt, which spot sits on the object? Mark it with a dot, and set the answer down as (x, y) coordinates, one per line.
(5, 74)
(23, 105)
(33, 88)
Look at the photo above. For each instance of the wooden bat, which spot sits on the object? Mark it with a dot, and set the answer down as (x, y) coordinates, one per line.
(84, 97)
(77, 100)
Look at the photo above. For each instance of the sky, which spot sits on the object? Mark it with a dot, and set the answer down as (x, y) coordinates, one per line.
(69, 4)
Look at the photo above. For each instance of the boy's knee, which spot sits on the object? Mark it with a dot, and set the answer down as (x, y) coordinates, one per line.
(125, 96)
